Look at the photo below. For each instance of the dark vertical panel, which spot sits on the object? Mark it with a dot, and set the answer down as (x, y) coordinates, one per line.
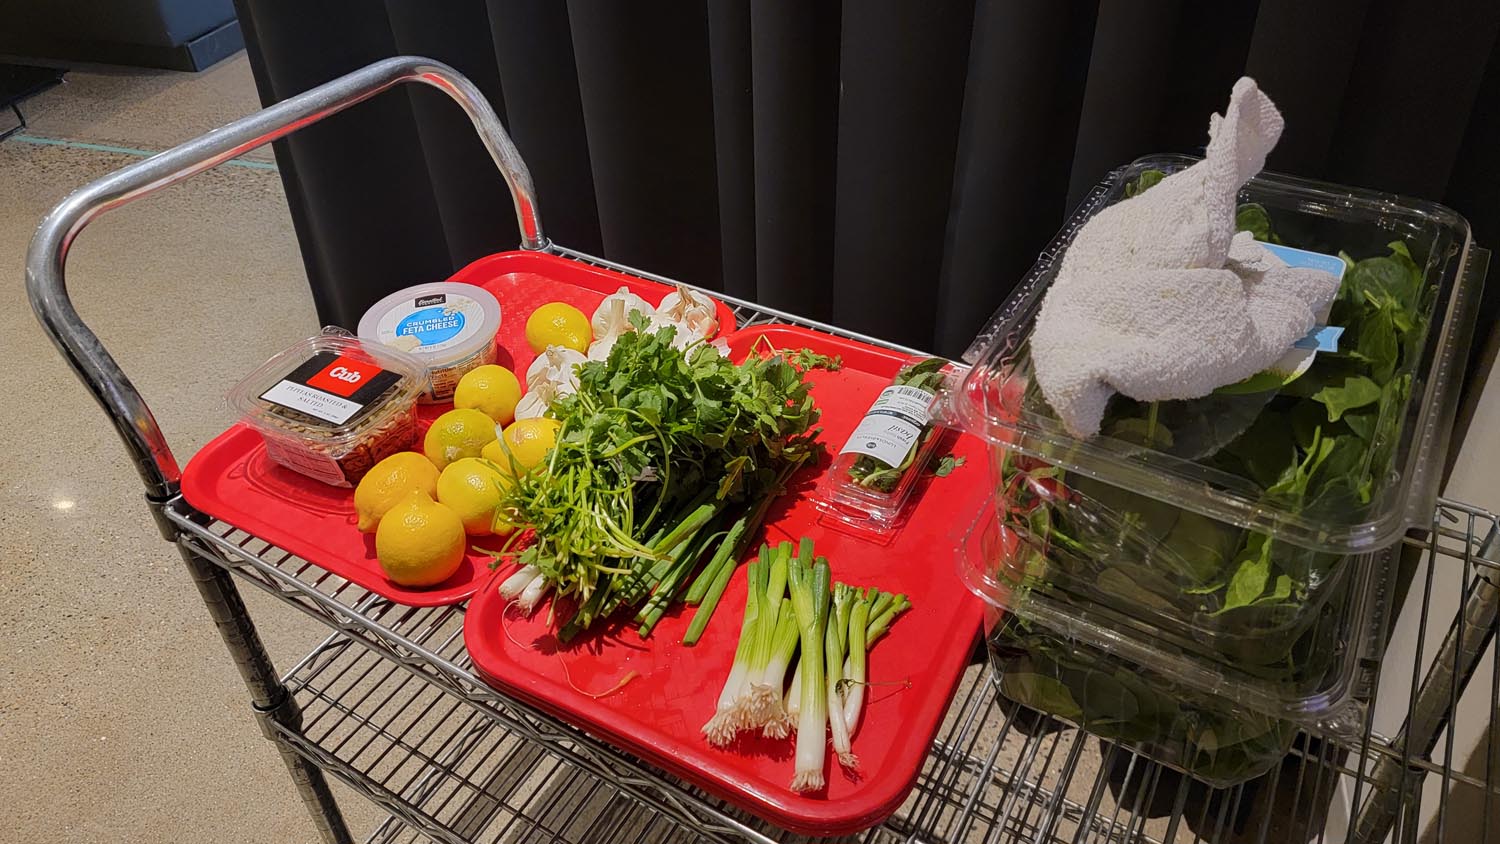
(795, 61)
(1027, 66)
(370, 224)
(1474, 191)
(1124, 100)
(1302, 55)
(1209, 52)
(643, 76)
(734, 141)
(534, 52)
(1414, 86)
(473, 204)
(902, 74)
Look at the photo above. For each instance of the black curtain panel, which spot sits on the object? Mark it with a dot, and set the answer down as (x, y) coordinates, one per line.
(889, 166)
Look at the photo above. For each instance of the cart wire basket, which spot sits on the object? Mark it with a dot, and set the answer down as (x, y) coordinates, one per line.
(390, 704)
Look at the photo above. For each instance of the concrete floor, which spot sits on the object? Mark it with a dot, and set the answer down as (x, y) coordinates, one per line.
(121, 719)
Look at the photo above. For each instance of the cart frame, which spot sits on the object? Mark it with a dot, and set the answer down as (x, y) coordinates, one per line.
(995, 770)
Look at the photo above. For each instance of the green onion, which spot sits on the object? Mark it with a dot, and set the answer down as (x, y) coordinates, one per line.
(810, 600)
(833, 645)
(721, 728)
(862, 637)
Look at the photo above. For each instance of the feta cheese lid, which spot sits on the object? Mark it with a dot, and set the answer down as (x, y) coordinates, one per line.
(440, 323)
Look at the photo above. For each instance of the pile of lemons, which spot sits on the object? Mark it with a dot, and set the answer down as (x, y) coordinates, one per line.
(422, 506)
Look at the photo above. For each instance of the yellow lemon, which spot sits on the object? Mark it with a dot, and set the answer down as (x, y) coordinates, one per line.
(558, 324)
(471, 487)
(419, 542)
(391, 480)
(456, 434)
(491, 389)
(529, 440)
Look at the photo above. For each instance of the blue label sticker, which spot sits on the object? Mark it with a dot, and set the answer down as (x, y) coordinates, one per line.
(431, 325)
(1294, 257)
(1323, 338)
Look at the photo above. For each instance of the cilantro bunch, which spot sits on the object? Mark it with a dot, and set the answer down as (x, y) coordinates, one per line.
(666, 458)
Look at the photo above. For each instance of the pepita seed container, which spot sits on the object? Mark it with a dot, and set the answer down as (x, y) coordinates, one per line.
(330, 407)
(1206, 575)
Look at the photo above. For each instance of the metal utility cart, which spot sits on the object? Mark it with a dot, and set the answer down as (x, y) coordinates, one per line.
(389, 702)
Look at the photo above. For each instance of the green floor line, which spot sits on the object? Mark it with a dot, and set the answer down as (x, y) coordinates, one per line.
(139, 153)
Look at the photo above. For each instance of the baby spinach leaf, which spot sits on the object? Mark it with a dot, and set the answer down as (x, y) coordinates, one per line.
(1250, 575)
(1143, 182)
(1252, 217)
(1355, 392)
(1362, 422)
(1377, 344)
(1266, 448)
(1041, 692)
(1280, 592)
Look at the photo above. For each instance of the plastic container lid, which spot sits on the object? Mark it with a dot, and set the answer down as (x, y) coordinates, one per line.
(441, 323)
(998, 400)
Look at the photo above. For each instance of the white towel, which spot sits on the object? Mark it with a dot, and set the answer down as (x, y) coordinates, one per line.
(1158, 298)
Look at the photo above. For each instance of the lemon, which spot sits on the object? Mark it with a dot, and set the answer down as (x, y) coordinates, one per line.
(390, 481)
(419, 542)
(471, 487)
(528, 441)
(457, 433)
(558, 324)
(491, 389)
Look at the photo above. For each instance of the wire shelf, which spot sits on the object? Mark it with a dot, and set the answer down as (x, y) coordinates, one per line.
(405, 721)
(393, 707)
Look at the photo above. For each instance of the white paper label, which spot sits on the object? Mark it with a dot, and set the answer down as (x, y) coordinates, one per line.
(892, 425)
(313, 402)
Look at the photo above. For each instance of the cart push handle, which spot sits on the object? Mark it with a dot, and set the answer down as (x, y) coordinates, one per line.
(48, 254)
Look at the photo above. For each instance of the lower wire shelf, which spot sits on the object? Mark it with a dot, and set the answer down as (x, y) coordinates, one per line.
(392, 707)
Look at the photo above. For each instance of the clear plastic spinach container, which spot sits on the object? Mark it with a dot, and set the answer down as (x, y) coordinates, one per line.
(1235, 544)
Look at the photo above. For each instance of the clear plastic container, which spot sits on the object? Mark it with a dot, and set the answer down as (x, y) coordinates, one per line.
(332, 406)
(876, 470)
(450, 327)
(1233, 545)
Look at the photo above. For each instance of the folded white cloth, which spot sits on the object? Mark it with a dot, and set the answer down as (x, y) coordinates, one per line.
(1158, 298)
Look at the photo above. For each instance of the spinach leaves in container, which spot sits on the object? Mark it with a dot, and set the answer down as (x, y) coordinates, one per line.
(1188, 499)
(877, 469)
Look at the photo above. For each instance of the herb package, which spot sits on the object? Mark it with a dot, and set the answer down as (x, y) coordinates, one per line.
(877, 468)
(1206, 574)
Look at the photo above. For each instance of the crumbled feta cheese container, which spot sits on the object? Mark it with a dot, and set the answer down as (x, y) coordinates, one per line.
(448, 326)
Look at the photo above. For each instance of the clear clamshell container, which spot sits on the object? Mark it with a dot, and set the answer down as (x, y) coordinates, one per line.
(332, 406)
(877, 469)
(1230, 552)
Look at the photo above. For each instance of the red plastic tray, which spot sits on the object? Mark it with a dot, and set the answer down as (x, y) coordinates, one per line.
(658, 715)
(232, 479)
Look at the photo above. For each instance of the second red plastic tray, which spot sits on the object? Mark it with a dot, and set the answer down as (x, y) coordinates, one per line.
(657, 716)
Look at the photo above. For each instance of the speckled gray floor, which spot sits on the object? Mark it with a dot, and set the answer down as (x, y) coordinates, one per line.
(121, 719)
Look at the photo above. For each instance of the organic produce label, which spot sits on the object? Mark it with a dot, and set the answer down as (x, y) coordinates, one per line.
(331, 387)
(430, 323)
(1323, 338)
(892, 425)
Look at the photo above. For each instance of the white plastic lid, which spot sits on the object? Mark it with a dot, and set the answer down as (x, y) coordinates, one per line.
(440, 322)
